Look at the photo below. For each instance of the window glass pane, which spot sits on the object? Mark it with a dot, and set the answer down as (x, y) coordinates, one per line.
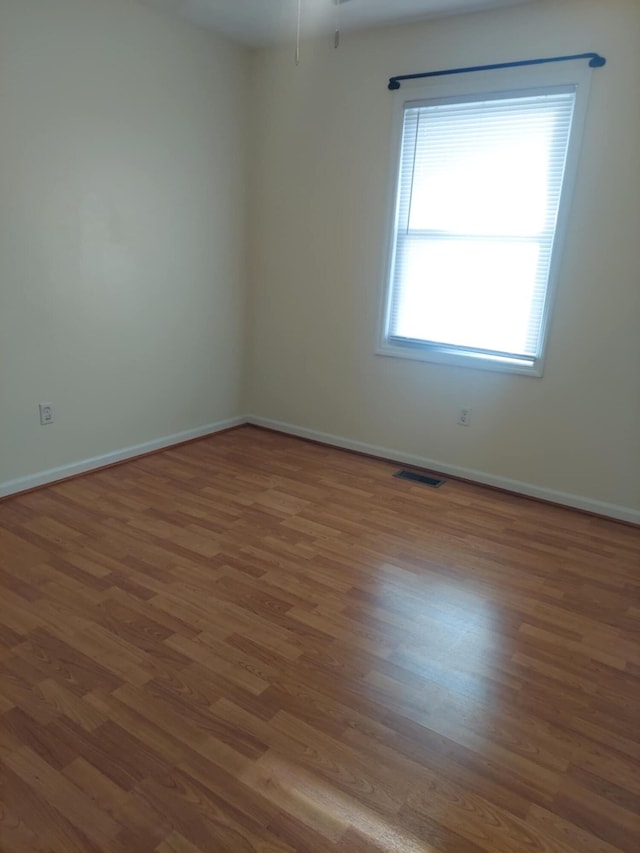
(462, 293)
(491, 178)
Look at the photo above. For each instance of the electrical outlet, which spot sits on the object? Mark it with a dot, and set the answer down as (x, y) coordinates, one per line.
(464, 417)
(46, 413)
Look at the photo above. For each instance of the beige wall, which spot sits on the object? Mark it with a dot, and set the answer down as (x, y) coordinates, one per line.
(121, 229)
(320, 165)
(123, 136)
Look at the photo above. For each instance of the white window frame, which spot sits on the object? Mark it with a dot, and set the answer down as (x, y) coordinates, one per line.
(506, 82)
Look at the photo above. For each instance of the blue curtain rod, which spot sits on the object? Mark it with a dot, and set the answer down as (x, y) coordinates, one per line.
(595, 61)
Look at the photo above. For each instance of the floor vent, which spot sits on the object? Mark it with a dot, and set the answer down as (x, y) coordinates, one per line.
(415, 477)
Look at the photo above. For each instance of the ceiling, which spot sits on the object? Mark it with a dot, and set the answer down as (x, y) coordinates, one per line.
(262, 22)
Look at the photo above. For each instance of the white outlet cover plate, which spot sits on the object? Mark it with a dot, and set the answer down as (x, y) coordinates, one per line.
(46, 413)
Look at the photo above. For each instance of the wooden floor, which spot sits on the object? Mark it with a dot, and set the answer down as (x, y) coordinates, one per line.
(252, 643)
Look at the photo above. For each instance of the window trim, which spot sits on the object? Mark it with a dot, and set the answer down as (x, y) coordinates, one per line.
(487, 84)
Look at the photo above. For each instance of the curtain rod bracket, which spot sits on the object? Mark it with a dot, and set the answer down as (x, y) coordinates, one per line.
(595, 61)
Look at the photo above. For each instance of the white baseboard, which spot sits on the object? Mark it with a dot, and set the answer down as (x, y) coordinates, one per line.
(620, 513)
(52, 475)
(43, 478)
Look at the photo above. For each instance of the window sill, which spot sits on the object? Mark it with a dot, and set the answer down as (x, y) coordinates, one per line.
(451, 357)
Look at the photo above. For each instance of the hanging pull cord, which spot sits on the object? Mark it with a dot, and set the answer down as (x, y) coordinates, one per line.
(336, 37)
(298, 32)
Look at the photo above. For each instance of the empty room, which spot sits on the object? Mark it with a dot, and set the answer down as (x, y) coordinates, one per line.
(319, 426)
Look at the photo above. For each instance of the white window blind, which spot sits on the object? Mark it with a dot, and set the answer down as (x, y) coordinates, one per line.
(477, 206)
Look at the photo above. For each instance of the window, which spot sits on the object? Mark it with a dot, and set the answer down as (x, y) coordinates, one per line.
(478, 195)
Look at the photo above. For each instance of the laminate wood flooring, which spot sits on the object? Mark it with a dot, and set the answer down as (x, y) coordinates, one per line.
(252, 643)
